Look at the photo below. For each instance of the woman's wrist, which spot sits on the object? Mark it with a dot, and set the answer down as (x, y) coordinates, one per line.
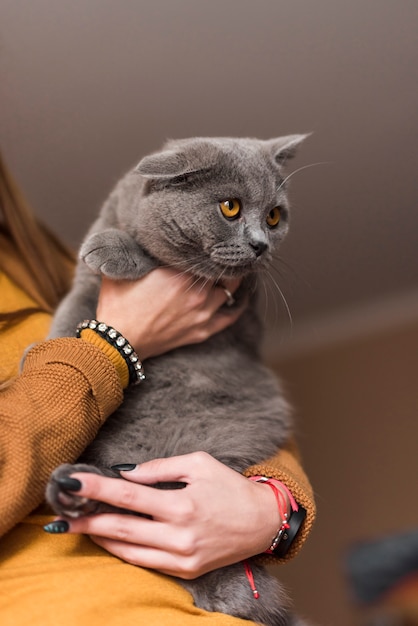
(112, 354)
(290, 515)
(116, 347)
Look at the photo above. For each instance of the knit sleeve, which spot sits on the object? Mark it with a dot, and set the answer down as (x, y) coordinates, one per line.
(48, 415)
(286, 467)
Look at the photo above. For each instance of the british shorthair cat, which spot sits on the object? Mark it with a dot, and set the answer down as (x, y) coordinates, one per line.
(216, 208)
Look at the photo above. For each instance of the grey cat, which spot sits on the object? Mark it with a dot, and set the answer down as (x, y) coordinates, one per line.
(217, 208)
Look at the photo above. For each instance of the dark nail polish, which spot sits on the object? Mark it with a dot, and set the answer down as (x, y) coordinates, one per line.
(57, 528)
(123, 467)
(69, 484)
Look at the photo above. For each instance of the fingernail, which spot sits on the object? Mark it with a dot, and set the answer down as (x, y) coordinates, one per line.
(123, 467)
(57, 528)
(69, 484)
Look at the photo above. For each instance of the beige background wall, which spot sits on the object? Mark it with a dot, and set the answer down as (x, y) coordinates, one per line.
(357, 411)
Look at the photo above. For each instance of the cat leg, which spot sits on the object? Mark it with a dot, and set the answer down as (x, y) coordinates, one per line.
(227, 590)
(78, 305)
(110, 252)
(66, 502)
(115, 254)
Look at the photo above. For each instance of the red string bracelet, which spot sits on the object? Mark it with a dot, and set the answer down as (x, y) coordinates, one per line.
(282, 507)
(250, 576)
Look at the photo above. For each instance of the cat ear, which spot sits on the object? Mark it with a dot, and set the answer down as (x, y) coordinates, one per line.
(181, 156)
(167, 164)
(284, 148)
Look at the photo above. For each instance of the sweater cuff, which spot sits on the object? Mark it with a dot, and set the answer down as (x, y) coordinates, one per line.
(111, 352)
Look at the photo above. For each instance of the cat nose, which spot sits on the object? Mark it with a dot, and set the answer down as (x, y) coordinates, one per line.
(259, 247)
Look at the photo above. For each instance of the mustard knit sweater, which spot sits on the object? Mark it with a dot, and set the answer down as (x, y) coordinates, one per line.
(48, 414)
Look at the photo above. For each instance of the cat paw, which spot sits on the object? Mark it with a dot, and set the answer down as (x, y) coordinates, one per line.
(65, 501)
(115, 254)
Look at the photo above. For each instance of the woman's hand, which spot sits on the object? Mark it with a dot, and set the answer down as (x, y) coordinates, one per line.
(165, 309)
(219, 518)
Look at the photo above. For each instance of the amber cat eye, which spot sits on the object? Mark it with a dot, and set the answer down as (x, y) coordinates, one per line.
(230, 208)
(273, 218)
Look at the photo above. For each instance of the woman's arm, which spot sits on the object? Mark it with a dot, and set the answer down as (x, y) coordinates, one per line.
(68, 386)
(48, 415)
(221, 517)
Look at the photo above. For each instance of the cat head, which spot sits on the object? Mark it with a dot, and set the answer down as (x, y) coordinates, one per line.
(215, 207)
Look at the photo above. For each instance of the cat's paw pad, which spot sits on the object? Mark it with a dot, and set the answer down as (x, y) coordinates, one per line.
(65, 500)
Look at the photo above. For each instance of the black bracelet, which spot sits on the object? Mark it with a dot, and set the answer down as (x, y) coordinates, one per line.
(295, 522)
(118, 341)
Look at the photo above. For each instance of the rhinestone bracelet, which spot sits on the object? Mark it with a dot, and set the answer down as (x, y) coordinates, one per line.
(118, 341)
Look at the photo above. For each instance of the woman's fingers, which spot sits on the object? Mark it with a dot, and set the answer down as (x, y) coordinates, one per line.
(209, 296)
(123, 528)
(131, 530)
(223, 293)
(136, 495)
(176, 309)
(220, 517)
(185, 566)
(160, 504)
(171, 469)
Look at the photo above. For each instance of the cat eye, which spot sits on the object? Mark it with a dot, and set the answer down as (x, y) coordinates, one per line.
(273, 218)
(230, 208)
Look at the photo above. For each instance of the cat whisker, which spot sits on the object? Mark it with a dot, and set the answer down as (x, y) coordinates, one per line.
(284, 271)
(219, 279)
(254, 285)
(266, 295)
(284, 263)
(287, 308)
(205, 282)
(195, 282)
(180, 273)
(267, 286)
(189, 262)
(190, 265)
(294, 272)
(192, 270)
(304, 167)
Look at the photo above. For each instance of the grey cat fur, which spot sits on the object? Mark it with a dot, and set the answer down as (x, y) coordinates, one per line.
(216, 397)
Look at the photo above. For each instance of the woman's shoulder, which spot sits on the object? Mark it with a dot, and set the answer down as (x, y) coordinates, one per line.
(21, 324)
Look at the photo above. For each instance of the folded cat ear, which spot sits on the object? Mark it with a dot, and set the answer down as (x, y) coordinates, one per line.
(284, 148)
(183, 156)
(165, 164)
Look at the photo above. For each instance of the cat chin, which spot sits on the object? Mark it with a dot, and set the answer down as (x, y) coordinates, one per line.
(239, 271)
(222, 273)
